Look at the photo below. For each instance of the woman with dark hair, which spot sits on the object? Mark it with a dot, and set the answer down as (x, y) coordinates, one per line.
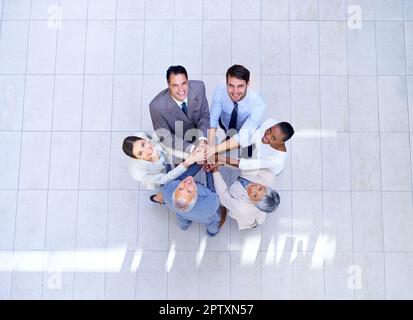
(150, 162)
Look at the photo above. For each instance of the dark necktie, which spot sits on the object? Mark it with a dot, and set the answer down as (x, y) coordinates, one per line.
(234, 116)
(184, 108)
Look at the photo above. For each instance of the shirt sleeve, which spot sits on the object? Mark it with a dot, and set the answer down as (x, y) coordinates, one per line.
(163, 178)
(275, 163)
(222, 190)
(252, 123)
(216, 108)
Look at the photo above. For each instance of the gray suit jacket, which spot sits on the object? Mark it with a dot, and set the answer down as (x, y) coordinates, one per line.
(171, 124)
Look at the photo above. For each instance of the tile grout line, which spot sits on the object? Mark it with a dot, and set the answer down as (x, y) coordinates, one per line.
(321, 144)
(291, 146)
(50, 155)
(349, 145)
(80, 145)
(230, 176)
(140, 127)
(110, 144)
(260, 78)
(407, 97)
(379, 136)
(20, 151)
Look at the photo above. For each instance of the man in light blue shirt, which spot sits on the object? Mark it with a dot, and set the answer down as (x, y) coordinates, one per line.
(237, 110)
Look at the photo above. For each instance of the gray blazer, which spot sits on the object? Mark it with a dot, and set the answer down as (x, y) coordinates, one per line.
(168, 117)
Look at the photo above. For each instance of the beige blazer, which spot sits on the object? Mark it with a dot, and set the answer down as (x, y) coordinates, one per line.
(235, 198)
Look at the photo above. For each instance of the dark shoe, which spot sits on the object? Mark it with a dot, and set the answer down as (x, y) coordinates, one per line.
(211, 234)
(223, 216)
(152, 198)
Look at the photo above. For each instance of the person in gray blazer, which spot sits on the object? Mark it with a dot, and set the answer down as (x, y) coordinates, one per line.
(180, 113)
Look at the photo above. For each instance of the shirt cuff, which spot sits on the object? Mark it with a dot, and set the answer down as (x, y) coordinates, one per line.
(213, 123)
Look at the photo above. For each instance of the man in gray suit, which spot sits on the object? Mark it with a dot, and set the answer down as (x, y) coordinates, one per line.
(180, 113)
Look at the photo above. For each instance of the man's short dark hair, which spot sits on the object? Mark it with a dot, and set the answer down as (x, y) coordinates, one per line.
(176, 70)
(127, 145)
(287, 130)
(239, 72)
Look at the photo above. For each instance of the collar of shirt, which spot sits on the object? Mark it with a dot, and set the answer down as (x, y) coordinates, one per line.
(179, 103)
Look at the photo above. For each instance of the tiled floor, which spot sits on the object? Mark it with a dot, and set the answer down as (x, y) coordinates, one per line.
(73, 224)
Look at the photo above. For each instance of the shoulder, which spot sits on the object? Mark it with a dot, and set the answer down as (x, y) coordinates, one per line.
(196, 85)
(159, 98)
(254, 96)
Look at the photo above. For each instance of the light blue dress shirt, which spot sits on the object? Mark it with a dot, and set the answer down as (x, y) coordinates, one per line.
(251, 110)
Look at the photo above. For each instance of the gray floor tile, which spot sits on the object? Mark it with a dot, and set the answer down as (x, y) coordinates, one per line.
(363, 103)
(34, 163)
(361, 46)
(304, 42)
(121, 285)
(74, 9)
(16, 9)
(123, 219)
(38, 103)
(100, 47)
(336, 277)
(365, 161)
(102, 9)
(217, 9)
(13, 46)
(10, 148)
(70, 52)
(246, 277)
(160, 10)
(367, 221)
(393, 103)
(94, 174)
(308, 282)
(183, 276)
(97, 103)
(368, 275)
(275, 10)
(275, 47)
(190, 32)
(366, 7)
(8, 199)
(408, 34)
(152, 275)
(246, 44)
(187, 9)
(333, 55)
(303, 9)
(336, 162)
(277, 276)
(245, 9)
(92, 220)
(130, 9)
(129, 47)
(11, 101)
(217, 34)
(389, 10)
(334, 103)
(390, 48)
(214, 276)
(399, 266)
(337, 219)
(158, 46)
(61, 220)
(397, 235)
(395, 161)
(31, 219)
(332, 9)
(68, 100)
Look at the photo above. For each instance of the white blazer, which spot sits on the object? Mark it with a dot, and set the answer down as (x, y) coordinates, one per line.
(152, 175)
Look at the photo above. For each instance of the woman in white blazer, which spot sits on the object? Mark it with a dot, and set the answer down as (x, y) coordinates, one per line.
(150, 162)
(249, 198)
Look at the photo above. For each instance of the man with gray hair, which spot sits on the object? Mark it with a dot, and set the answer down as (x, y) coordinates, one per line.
(192, 201)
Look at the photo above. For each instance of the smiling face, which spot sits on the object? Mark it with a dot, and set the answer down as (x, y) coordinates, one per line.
(178, 86)
(256, 191)
(143, 150)
(186, 190)
(236, 88)
(273, 136)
